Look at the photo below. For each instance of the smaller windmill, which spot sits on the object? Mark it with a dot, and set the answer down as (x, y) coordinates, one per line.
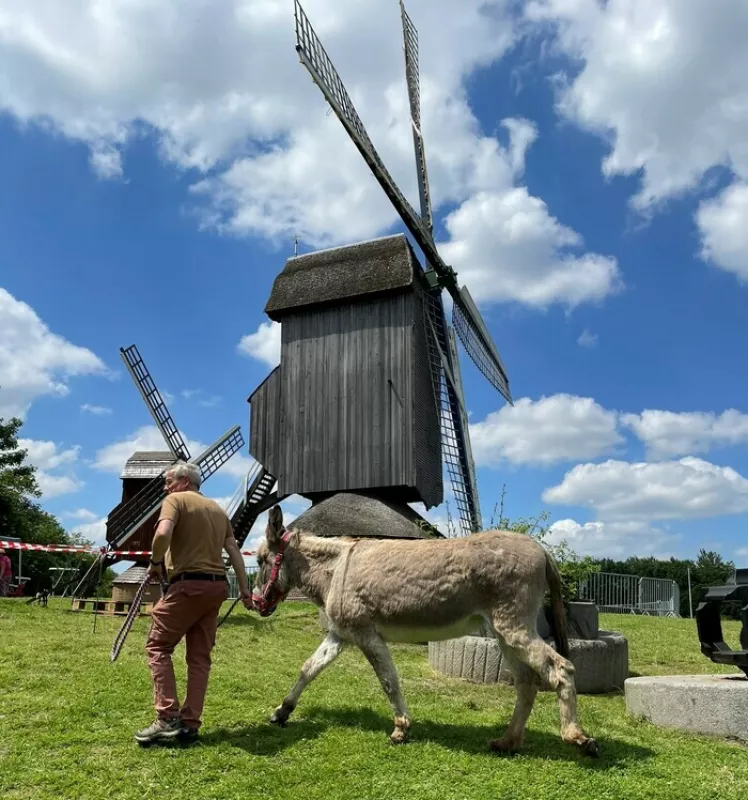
(131, 524)
(368, 396)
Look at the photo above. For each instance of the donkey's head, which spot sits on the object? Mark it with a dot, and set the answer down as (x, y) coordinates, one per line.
(274, 578)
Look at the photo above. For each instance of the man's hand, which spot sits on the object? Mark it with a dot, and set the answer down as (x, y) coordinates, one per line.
(155, 571)
(246, 596)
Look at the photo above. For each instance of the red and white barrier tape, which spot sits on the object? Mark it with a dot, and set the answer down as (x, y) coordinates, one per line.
(67, 548)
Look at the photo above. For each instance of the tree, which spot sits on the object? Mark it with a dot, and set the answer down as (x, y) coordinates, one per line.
(16, 477)
(22, 518)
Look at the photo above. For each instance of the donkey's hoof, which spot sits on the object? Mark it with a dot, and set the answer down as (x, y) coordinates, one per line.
(399, 737)
(503, 746)
(280, 717)
(590, 748)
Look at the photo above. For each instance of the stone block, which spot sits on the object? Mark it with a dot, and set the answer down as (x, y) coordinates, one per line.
(601, 664)
(716, 705)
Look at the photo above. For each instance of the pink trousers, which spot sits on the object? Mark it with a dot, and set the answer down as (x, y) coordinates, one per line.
(190, 610)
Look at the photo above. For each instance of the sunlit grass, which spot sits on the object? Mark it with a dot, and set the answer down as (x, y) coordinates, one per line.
(67, 717)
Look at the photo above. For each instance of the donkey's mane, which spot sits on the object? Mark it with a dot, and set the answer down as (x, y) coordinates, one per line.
(322, 545)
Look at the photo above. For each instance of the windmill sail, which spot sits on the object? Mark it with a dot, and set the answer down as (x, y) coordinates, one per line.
(410, 39)
(160, 413)
(478, 343)
(129, 517)
(313, 56)
(455, 439)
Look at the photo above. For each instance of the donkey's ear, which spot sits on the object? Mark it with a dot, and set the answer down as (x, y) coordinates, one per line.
(274, 530)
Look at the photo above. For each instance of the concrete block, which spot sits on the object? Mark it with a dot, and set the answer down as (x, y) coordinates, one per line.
(708, 704)
(601, 664)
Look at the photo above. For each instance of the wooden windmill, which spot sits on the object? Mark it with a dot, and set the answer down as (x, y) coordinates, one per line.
(132, 522)
(368, 395)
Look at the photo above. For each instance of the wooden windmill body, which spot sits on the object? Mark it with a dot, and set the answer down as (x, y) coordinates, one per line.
(367, 400)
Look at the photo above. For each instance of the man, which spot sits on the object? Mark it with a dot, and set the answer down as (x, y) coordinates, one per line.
(191, 533)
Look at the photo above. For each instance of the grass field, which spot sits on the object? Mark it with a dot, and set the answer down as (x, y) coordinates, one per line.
(67, 717)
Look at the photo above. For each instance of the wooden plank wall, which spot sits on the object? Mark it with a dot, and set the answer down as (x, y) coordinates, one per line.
(347, 397)
(265, 424)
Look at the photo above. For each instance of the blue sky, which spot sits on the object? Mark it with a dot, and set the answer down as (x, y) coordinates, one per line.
(146, 201)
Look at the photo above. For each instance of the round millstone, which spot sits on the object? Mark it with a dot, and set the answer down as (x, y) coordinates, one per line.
(707, 704)
(602, 664)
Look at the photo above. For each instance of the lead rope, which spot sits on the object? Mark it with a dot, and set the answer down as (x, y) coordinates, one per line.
(233, 606)
(119, 639)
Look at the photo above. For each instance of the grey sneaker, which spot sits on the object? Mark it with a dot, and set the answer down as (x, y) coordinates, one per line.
(160, 730)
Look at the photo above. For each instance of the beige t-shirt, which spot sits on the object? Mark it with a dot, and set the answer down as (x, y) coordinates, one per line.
(201, 527)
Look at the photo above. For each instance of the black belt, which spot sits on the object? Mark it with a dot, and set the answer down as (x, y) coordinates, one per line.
(198, 576)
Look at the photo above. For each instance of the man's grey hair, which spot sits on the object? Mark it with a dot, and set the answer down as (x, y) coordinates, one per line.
(192, 472)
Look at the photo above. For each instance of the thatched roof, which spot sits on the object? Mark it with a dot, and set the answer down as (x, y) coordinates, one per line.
(147, 463)
(358, 515)
(345, 273)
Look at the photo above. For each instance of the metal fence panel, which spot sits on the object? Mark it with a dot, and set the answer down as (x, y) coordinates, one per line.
(630, 594)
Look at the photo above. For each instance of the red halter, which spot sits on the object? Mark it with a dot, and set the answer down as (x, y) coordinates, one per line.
(268, 600)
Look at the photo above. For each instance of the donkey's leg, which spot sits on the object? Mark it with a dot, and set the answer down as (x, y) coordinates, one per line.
(554, 670)
(378, 655)
(322, 657)
(526, 685)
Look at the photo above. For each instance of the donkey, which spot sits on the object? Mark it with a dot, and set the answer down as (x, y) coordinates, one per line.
(374, 591)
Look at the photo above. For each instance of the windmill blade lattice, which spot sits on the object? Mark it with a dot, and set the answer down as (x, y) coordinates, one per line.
(478, 343)
(455, 448)
(128, 518)
(142, 377)
(410, 40)
(313, 56)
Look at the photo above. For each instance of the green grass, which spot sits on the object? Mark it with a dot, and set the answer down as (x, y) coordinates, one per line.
(67, 717)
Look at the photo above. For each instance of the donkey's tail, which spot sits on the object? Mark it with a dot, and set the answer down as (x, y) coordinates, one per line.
(557, 617)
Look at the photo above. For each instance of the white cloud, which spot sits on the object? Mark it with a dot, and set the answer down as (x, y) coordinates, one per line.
(506, 246)
(56, 485)
(94, 531)
(45, 454)
(722, 222)
(663, 82)
(98, 411)
(587, 339)
(82, 514)
(220, 89)
(112, 457)
(35, 362)
(106, 161)
(202, 398)
(742, 552)
(47, 459)
(667, 433)
(684, 489)
(612, 539)
(561, 427)
(264, 344)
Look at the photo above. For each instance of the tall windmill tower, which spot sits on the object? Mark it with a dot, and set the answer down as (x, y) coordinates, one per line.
(369, 383)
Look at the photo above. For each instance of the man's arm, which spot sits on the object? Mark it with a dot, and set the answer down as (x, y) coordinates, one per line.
(237, 562)
(167, 519)
(161, 540)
